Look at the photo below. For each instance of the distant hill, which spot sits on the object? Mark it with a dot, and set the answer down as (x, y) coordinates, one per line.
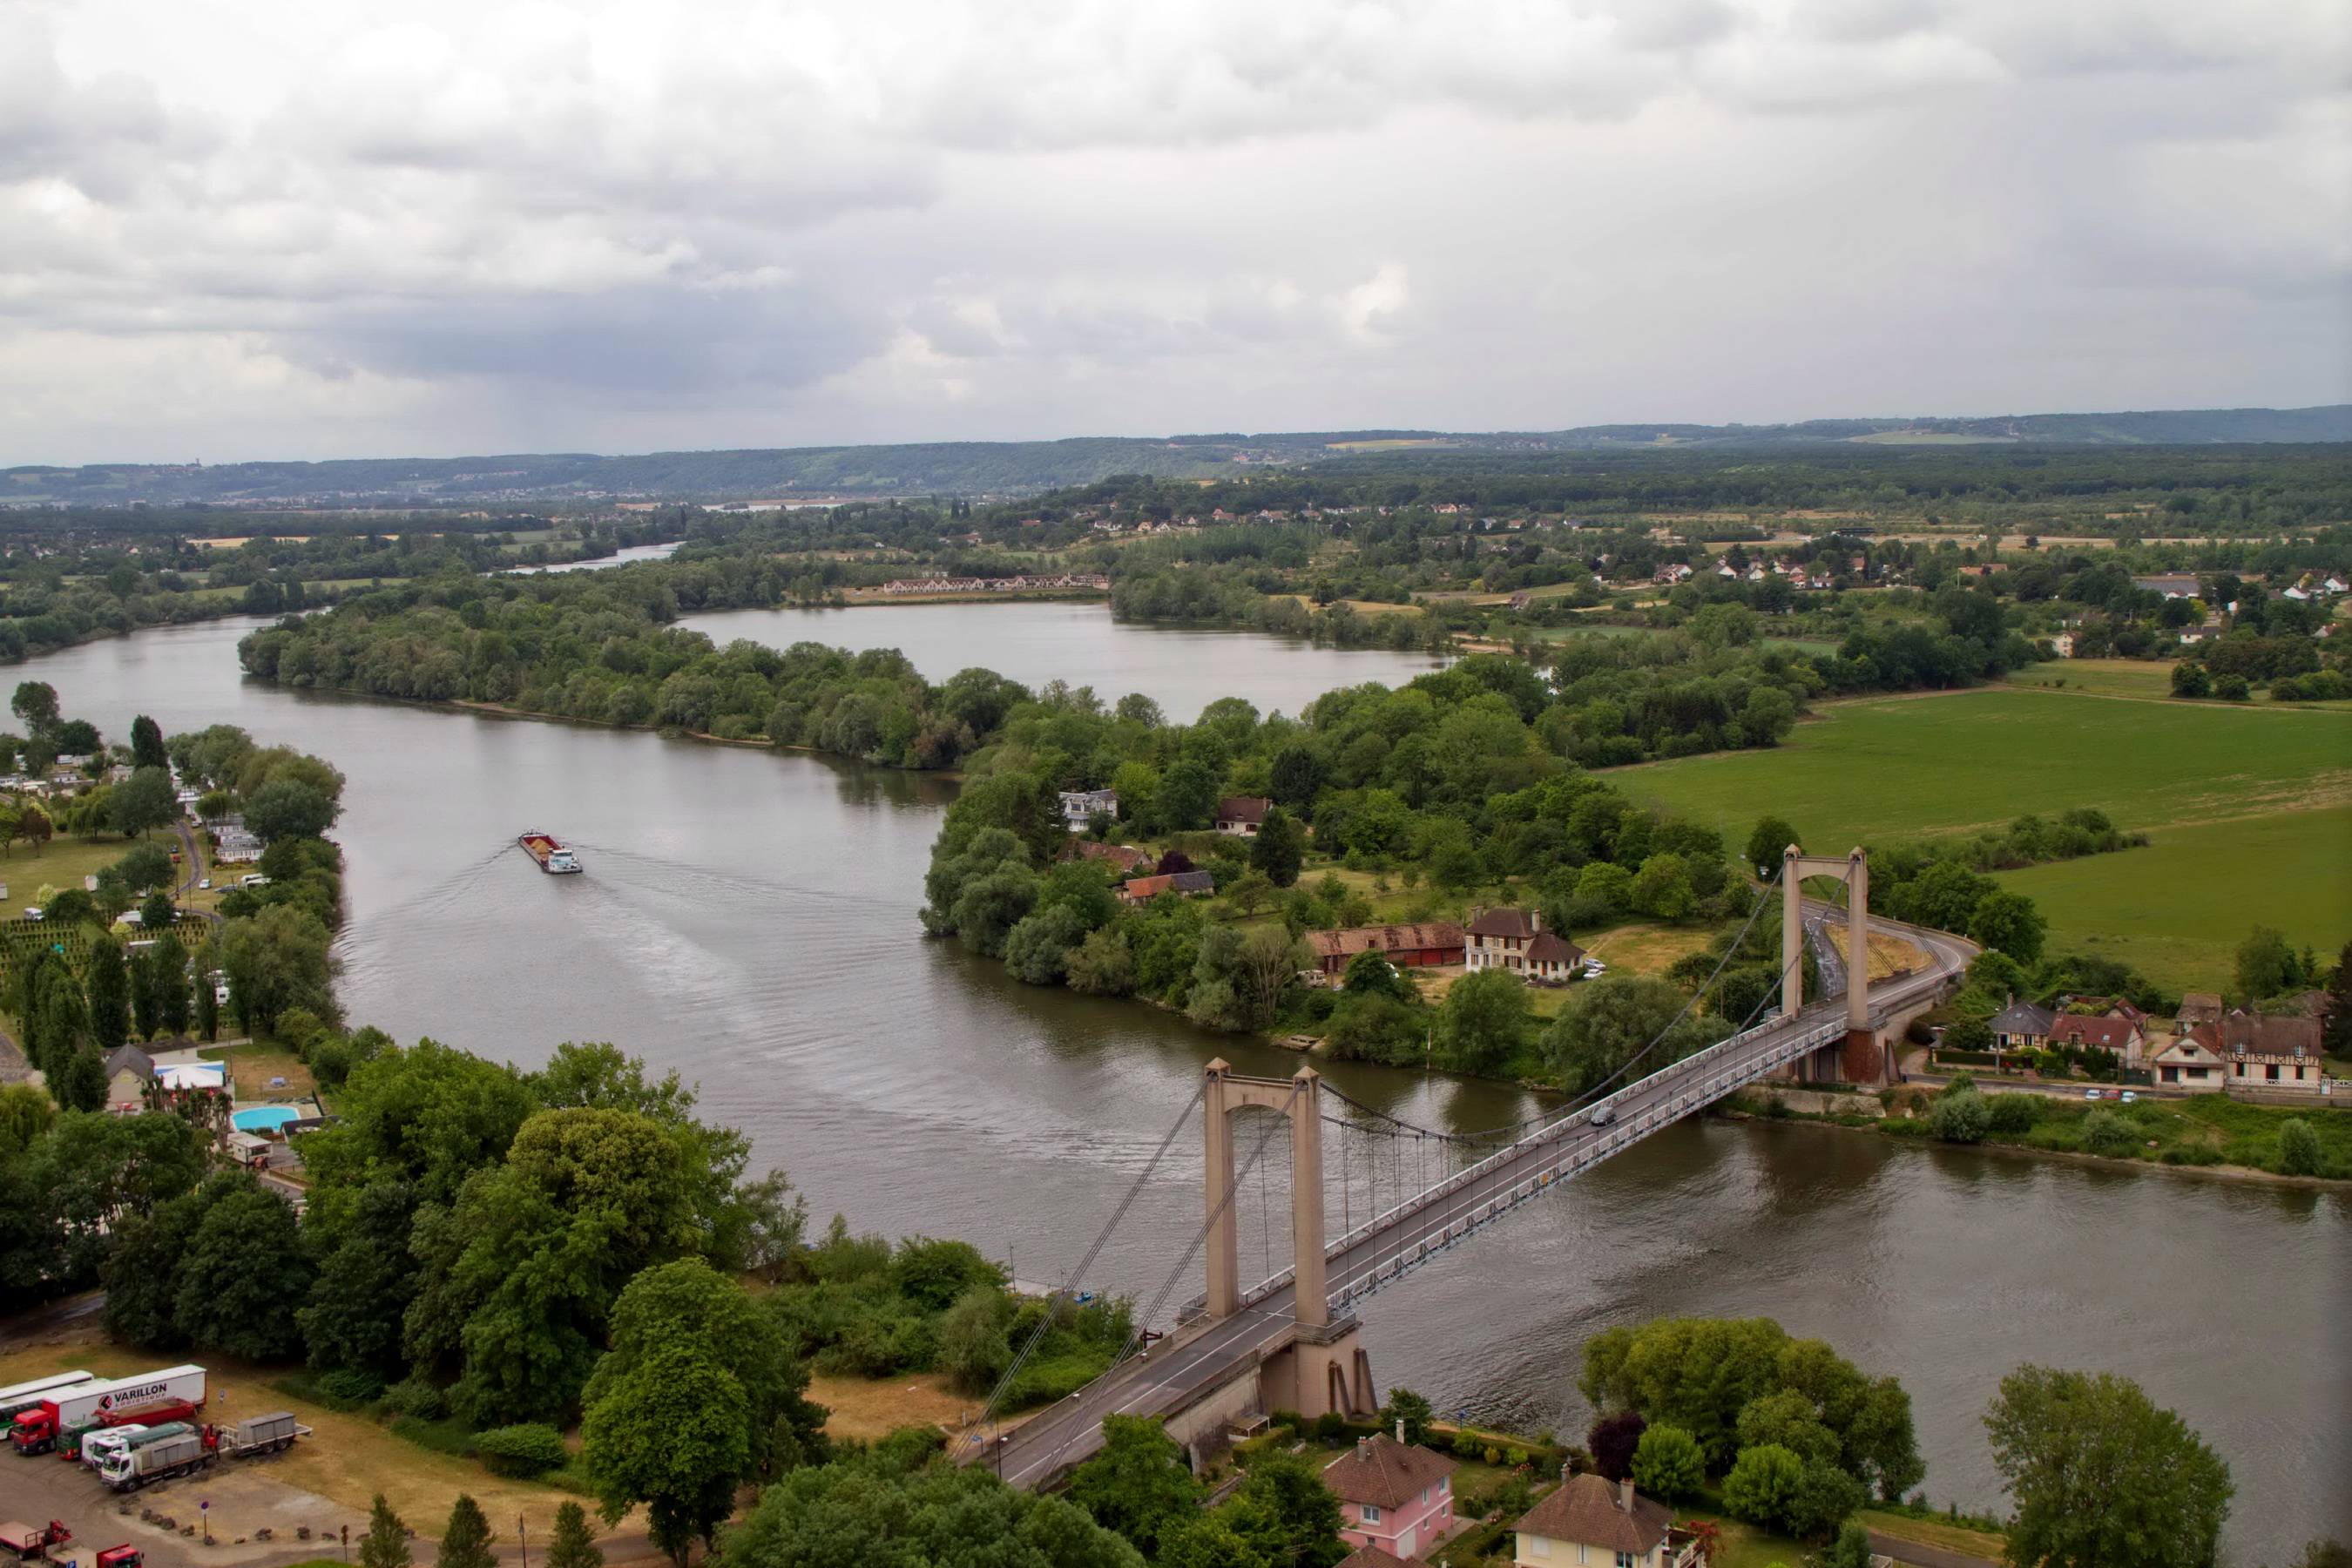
(978, 469)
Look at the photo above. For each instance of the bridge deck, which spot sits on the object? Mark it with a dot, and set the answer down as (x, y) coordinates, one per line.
(1204, 1356)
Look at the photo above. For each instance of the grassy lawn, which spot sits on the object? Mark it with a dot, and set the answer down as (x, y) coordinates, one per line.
(1928, 1533)
(251, 1066)
(62, 863)
(2177, 909)
(1645, 947)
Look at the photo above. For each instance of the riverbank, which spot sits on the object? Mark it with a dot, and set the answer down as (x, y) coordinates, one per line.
(2255, 1126)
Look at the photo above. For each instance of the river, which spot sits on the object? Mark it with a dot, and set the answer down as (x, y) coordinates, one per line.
(746, 917)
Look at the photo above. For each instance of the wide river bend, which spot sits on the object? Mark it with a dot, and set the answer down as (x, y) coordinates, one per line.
(748, 919)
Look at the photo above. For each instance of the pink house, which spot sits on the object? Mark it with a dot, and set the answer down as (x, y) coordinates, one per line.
(1393, 1497)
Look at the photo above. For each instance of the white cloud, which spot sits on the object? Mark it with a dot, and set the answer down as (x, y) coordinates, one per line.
(446, 226)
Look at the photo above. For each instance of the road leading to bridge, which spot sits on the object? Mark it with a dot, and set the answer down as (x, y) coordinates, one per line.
(1385, 1250)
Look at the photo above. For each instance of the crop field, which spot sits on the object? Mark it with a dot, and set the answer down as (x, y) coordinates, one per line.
(2178, 908)
(2139, 677)
(2251, 808)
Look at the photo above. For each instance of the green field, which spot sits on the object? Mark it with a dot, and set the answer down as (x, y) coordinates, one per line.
(2151, 680)
(2251, 808)
(2175, 908)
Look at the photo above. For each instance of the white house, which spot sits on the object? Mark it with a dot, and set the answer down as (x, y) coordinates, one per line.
(1589, 1524)
(1078, 805)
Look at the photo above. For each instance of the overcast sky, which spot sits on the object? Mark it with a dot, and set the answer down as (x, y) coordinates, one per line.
(254, 228)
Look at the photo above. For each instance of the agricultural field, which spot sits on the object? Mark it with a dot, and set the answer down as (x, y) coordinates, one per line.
(2148, 680)
(2250, 807)
(2175, 909)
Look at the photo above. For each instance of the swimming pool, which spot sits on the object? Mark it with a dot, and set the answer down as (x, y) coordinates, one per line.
(266, 1118)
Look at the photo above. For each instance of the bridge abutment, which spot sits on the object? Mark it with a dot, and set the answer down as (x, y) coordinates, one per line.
(1326, 1371)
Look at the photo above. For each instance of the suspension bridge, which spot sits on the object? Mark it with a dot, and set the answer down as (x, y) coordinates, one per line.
(1406, 1195)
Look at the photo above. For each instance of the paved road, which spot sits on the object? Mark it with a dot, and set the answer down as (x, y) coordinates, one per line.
(1920, 1556)
(1386, 1248)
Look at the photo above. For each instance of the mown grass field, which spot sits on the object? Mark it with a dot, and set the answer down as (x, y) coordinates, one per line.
(2123, 678)
(2175, 909)
(2251, 808)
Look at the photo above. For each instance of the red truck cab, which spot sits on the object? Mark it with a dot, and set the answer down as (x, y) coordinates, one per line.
(121, 1557)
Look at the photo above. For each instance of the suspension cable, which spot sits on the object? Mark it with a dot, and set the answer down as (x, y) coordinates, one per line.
(1587, 1096)
(1077, 1273)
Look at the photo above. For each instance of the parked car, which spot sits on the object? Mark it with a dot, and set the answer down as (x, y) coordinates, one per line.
(2091, 1093)
(2129, 1096)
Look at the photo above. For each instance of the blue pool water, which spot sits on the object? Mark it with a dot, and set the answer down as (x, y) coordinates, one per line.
(266, 1118)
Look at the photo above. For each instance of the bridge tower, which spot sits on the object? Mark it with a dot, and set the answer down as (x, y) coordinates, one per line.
(1861, 1061)
(1324, 1369)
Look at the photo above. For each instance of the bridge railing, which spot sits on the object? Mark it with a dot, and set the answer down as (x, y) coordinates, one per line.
(1714, 1073)
(1711, 1059)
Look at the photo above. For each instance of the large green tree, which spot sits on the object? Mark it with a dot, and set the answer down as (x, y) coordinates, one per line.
(1137, 1483)
(97, 1173)
(367, 1277)
(109, 994)
(2101, 1476)
(142, 801)
(519, 1274)
(1733, 1382)
(1280, 847)
(672, 1432)
(1482, 1021)
(888, 1509)
(466, 1539)
(688, 1305)
(1609, 1022)
(244, 1273)
(385, 1545)
(276, 960)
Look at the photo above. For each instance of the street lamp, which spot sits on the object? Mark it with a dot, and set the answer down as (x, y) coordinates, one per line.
(1002, 1439)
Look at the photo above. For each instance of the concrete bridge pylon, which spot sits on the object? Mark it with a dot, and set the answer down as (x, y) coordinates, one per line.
(1864, 1059)
(1323, 1368)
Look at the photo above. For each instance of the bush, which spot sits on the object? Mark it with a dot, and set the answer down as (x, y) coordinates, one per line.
(2299, 1152)
(354, 1385)
(2015, 1113)
(1960, 1118)
(414, 1396)
(1763, 1485)
(2104, 1132)
(1668, 1463)
(526, 1450)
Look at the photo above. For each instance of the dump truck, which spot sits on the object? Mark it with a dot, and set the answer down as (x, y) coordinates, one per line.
(64, 1416)
(33, 1543)
(17, 1398)
(549, 851)
(183, 1453)
(254, 1435)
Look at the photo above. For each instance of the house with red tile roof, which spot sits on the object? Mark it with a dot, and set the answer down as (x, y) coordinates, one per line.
(1142, 890)
(1395, 1497)
(2259, 1053)
(1416, 946)
(2121, 1036)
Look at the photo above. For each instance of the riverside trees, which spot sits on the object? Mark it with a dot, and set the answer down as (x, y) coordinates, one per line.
(1801, 1436)
(2102, 1476)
